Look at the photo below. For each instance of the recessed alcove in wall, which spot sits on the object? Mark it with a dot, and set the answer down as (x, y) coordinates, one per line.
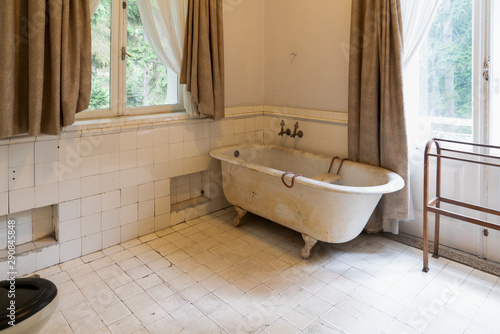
(34, 229)
(189, 196)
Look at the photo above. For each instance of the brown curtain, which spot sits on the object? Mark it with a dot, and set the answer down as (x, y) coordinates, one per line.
(203, 57)
(377, 128)
(45, 65)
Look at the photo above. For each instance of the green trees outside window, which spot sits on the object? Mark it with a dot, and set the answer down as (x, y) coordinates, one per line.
(448, 65)
(146, 76)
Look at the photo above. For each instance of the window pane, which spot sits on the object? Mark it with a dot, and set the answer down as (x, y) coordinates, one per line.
(495, 75)
(446, 73)
(101, 56)
(147, 77)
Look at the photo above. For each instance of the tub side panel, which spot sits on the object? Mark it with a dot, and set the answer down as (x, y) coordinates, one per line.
(322, 214)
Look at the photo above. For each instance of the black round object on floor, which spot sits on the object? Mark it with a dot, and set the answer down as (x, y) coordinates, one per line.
(31, 296)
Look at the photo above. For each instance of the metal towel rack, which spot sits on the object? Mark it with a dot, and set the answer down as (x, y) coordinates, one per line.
(434, 205)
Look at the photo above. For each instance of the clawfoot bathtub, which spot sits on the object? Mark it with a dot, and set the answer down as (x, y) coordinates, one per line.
(322, 206)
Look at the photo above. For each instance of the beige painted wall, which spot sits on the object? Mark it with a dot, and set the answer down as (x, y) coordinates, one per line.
(244, 52)
(318, 31)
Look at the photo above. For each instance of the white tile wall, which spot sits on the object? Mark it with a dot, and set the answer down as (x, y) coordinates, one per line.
(110, 200)
(23, 232)
(21, 155)
(3, 232)
(91, 205)
(146, 210)
(110, 162)
(4, 179)
(128, 214)
(128, 141)
(21, 177)
(110, 219)
(69, 230)
(114, 183)
(90, 165)
(110, 144)
(46, 151)
(46, 195)
(91, 243)
(70, 250)
(129, 195)
(25, 264)
(4, 203)
(90, 185)
(146, 226)
(162, 188)
(162, 221)
(128, 178)
(147, 191)
(47, 257)
(69, 190)
(69, 210)
(111, 237)
(145, 156)
(4, 157)
(21, 199)
(91, 224)
(162, 205)
(145, 174)
(110, 181)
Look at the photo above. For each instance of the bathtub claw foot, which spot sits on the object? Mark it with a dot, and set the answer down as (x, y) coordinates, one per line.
(309, 243)
(241, 214)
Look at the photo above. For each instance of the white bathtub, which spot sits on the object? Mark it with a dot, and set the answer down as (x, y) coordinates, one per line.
(334, 211)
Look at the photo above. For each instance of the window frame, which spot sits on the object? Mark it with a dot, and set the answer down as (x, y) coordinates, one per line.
(118, 76)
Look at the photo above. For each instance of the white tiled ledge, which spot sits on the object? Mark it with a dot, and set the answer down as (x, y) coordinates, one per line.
(124, 121)
(29, 247)
(109, 125)
(84, 128)
(325, 116)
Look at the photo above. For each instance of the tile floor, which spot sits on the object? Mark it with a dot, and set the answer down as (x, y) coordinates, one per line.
(206, 276)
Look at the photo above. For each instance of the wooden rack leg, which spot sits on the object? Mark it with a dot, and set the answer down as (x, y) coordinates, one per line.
(438, 204)
(426, 242)
(437, 210)
(436, 237)
(426, 212)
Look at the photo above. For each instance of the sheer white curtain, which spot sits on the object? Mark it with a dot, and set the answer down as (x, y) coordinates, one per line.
(164, 25)
(418, 16)
(93, 4)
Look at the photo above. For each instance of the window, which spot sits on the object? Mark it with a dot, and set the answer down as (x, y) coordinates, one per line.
(444, 70)
(452, 92)
(494, 75)
(127, 76)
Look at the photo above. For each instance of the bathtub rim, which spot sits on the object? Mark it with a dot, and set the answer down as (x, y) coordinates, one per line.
(395, 181)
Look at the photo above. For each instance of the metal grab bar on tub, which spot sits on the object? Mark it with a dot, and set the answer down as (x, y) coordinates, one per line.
(293, 179)
(434, 205)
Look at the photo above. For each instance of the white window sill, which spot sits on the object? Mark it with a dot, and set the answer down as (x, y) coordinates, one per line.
(108, 125)
(103, 123)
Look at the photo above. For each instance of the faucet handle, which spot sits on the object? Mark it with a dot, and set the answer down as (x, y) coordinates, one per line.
(282, 123)
(296, 126)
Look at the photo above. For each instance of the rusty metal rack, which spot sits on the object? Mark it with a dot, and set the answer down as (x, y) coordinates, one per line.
(434, 205)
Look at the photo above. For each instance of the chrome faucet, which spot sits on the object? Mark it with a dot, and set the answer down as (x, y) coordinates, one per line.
(282, 132)
(295, 133)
